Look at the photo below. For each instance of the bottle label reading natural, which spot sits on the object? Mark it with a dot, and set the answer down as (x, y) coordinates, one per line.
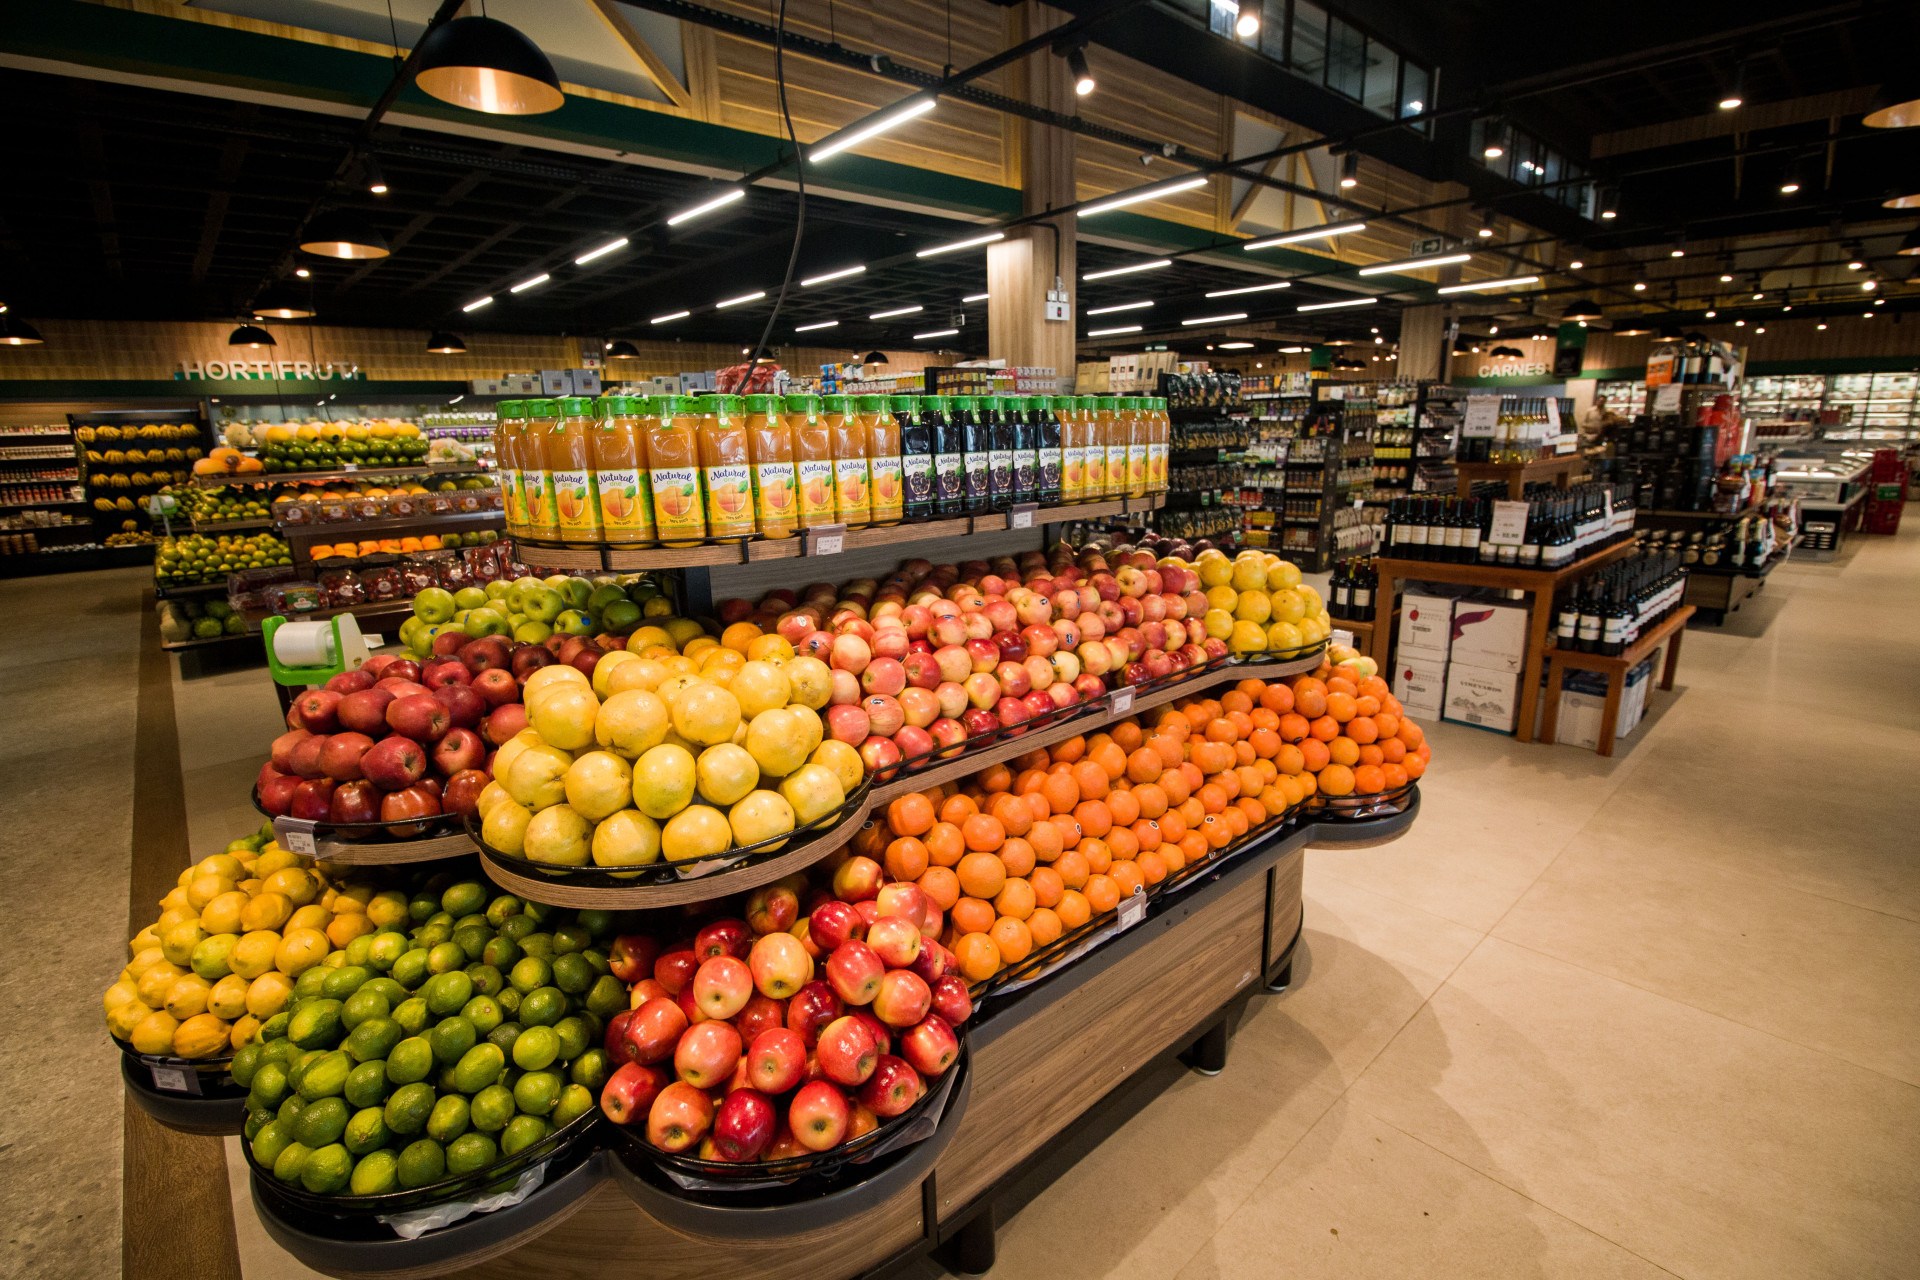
(539, 490)
(917, 477)
(1116, 481)
(1157, 465)
(1073, 472)
(950, 473)
(979, 477)
(512, 498)
(888, 494)
(851, 489)
(730, 498)
(576, 508)
(1000, 471)
(1050, 471)
(676, 502)
(776, 495)
(1026, 476)
(626, 504)
(816, 491)
(1136, 468)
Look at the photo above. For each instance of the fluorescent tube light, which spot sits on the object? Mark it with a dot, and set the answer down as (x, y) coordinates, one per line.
(957, 245)
(841, 274)
(1252, 288)
(755, 296)
(1345, 302)
(1299, 237)
(857, 134)
(1155, 265)
(601, 252)
(1488, 284)
(1123, 306)
(1414, 264)
(1140, 194)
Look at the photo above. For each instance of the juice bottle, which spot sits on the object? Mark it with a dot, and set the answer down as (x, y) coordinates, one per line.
(999, 424)
(1026, 475)
(1049, 468)
(883, 458)
(812, 460)
(852, 483)
(620, 468)
(776, 499)
(510, 424)
(1137, 432)
(1114, 436)
(1095, 445)
(1157, 450)
(949, 454)
(916, 457)
(1073, 454)
(536, 477)
(673, 468)
(724, 467)
(568, 447)
(976, 439)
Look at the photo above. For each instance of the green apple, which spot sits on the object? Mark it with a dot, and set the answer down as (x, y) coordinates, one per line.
(544, 604)
(471, 597)
(556, 581)
(498, 588)
(643, 590)
(602, 597)
(573, 622)
(518, 592)
(433, 604)
(621, 615)
(486, 622)
(577, 592)
(532, 632)
(409, 630)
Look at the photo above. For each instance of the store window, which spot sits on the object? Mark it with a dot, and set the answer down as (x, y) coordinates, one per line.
(1346, 60)
(1308, 53)
(1383, 75)
(1416, 90)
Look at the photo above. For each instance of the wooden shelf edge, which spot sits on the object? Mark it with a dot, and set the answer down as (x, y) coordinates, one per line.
(719, 883)
(392, 853)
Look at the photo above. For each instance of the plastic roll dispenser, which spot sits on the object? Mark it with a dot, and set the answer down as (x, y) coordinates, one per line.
(303, 653)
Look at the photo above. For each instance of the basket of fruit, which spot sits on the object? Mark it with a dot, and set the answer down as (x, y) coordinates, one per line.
(459, 1053)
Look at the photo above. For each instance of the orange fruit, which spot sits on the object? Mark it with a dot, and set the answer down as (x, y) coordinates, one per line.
(1341, 707)
(1144, 765)
(1369, 780)
(1173, 825)
(995, 778)
(1099, 855)
(1126, 877)
(1044, 839)
(1393, 775)
(1193, 847)
(1392, 750)
(1336, 780)
(1128, 735)
(1221, 730)
(1388, 723)
(982, 833)
(1414, 766)
(1325, 728)
(1216, 831)
(1094, 817)
(1236, 821)
(1072, 868)
(1044, 926)
(1194, 811)
(1255, 810)
(1265, 743)
(1362, 729)
(1170, 855)
(906, 859)
(979, 957)
(1275, 801)
(1341, 684)
(1069, 751)
(981, 875)
(1102, 893)
(1016, 900)
(911, 815)
(1293, 726)
(1061, 792)
(1153, 868)
(1011, 812)
(1028, 780)
(1152, 799)
(1175, 787)
(1344, 750)
(1372, 754)
(1123, 808)
(1074, 909)
(1411, 734)
(1092, 779)
(972, 915)
(1212, 798)
(1016, 855)
(944, 845)
(942, 886)
(1047, 886)
(1111, 758)
(1313, 752)
(1365, 706)
(957, 809)
(1277, 698)
(1013, 938)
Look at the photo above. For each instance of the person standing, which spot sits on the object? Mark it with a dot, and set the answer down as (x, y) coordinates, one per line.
(1594, 425)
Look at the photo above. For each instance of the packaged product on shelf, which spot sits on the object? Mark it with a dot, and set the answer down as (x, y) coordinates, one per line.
(976, 436)
(884, 463)
(536, 469)
(338, 586)
(813, 460)
(383, 583)
(1026, 453)
(949, 454)
(673, 461)
(775, 484)
(1049, 463)
(917, 468)
(725, 469)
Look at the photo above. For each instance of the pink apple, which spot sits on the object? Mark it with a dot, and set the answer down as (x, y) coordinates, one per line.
(855, 972)
(728, 937)
(776, 1061)
(812, 1007)
(318, 710)
(881, 758)
(707, 1054)
(847, 1052)
(836, 921)
(895, 940)
(779, 966)
(914, 743)
(952, 697)
(930, 1046)
(722, 985)
(340, 755)
(982, 690)
(921, 707)
(893, 1087)
(951, 1001)
(1013, 679)
(679, 1117)
(950, 734)
(817, 1116)
(884, 714)
(848, 724)
(629, 1092)
(923, 670)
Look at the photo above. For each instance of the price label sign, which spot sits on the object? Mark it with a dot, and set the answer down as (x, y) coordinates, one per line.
(827, 540)
(1666, 398)
(1509, 523)
(1483, 418)
(1134, 908)
(296, 836)
(1121, 701)
(175, 1080)
(1021, 517)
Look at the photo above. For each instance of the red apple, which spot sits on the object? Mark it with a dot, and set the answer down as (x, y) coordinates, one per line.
(304, 760)
(920, 707)
(778, 965)
(313, 799)
(364, 711)
(419, 716)
(761, 1014)
(721, 986)
(934, 961)
(930, 1047)
(394, 763)
(707, 1054)
(835, 922)
(679, 1117)
(812, 1007)
(629, 1092)
(893, 1087)
(340, 755)
(856, 880)
(895, 940)
(743, 1126)
(724, 938)
(922, 670)
(772, 908)
(951, 1001)
(503, 722)
(981, 724)
(904, 997)
(950, 734)
(631, 956)
(1013, 680)
(854, 972)
(318, 710)
(444, 671)
(818, 1116)
(276, 794)
(462, 794)
(914, 743)
(466, 708)
(417, 801)
(655, 1029)
(497, 686)
(847, 1051)
(1012, 713)
(281, 753)
(848, 723)
(1039, 703)
(459, 749)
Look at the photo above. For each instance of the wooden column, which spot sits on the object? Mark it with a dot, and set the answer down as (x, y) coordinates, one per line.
(1423, 335)
(1021, 268)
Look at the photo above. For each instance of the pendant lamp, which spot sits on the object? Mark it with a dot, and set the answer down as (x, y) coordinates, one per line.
(485, 65)
(250, 335)
(336, 233)
(446, 344)
(282, 304)
(15, 332)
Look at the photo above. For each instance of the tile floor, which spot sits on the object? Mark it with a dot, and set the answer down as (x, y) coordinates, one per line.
(1646, 1016)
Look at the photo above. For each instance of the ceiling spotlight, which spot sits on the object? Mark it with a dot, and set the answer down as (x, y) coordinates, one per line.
(485, 65)
(1821, 325)
(1739, 324)
(15, 332)
(1868, 286)
(1486, 225)
(1575, 265)
(1712, 314)
(1350, 170)
(1758, 296)
(1607, 202)
(623, 350)
(1790, 180)
(376, 181)
(1760, 328)
(249, 335)
(302, 272)
(446, 344)
(1910, 245)
(1495, 144)
(1737, 91)
(1247, 24)
(1679, 249)
(339, 234)
(1639, 286)
(1083, 81)
(1726, 279)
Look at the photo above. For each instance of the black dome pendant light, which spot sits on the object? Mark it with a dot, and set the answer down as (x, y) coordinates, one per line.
(339, 234)
(442, 343)
(485, 65)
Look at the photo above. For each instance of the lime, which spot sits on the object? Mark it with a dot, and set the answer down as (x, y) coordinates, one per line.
(478, 1068)
(575, 1101)
(359, 949)
(326, 1077)
(448, 1119)
(607, 996)
(522, 1132)
(542, 1007)
(598, 959)
(487, 980)
(470, 1152)
(422, 1163)
(376, 1174)
(537, 1092)
(292, 1158)
(363, 1005)
(413, 1015)
(446, 956)
(451, 1039)
(374, 1039)
(517, 927)
(422, 908)
(321, 1123)
(308, 985)
(275, 1028)
(367, 1131)
(387, 989)
(503, 1036)
(274, 1138)
(410, 1060)
(256, 1121)
(447, 991)
(570, 938)
(595, 922)
(410, 970)
(484, 1012)
(245, 1063)
(384, 950)
(573, 1037)
(572, 974)
(538, 944)
(316, 1024)
(407, 1110)
(591, 1069)
(501, 909)
(491, 1108)
(327, 1170)
(464, 898)
(472, 920)
(530, 973)
(502, 953)
(344, 981)
(472, 939)
(536, 1048)
(366, 1085)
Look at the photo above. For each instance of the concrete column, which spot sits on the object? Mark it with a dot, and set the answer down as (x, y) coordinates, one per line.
(1022, 268)
(1423, 336)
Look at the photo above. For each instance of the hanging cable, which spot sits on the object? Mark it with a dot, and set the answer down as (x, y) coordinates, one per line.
(800, 186)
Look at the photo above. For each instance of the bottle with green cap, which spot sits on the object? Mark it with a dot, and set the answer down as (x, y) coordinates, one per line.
(977, 457)
(1026, 474)
(1135, 424)
(883, 458)
(673, 473)
(620, 469)
(1048, 449)
(949, 455)
(916, 457)
(812, 459)
(1073, 450)
(570, 478)
(536, 477)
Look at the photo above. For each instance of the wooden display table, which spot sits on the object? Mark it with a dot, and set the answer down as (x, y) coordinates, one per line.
(1515, 475)
(1538, 583)
(1615, 668)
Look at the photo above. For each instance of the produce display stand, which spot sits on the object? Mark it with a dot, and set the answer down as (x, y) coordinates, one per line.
(1517, 475)
(1042, 1059)
(1537, 583)
(1615, 668)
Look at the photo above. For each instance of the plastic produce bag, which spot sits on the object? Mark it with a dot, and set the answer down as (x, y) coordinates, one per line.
(415, 1223)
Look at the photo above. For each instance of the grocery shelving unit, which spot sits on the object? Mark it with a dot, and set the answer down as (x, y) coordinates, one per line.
(1329, 466)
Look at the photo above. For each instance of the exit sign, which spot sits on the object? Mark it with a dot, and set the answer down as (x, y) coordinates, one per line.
(1422, 248)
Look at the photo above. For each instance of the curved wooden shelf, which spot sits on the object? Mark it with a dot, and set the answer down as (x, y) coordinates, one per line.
(701, 888)
(387, 853)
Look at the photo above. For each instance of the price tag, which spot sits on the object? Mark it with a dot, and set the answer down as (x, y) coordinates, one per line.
(1021, 517)
(827, 540)
(374, 640)
(1483, 417)
(296, 836)
(1120, 701)
(175, 1080)
(698, 869)
(1553, 415)
(1666, 398)
(1134, 909)
(1509, 523)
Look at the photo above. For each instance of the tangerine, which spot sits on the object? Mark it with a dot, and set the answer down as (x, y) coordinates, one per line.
(983, 834)
(957, 809)
(1092, 778)
(981, 875)
(1392, 750)
(1309, 697)
(1236, 821)
(1215, 831)
(906, 859)
(1123, 808)
(1044, 926)
(1144, 765)
(1017, 856)
(1344, 750)
(1047, 887)
(972, 915)
(1255, 809)
(1325, 728)
(1173, 825)
(1266, 743)
(1293, 727)
(1126, 877)
(1044, 839)
(911, 815)
(1193, 847)
(1060, 791)
(1175, 787)
(944, 845)
(1362, 729)
(995, 778)
(1016, 900)
(1152, 799)
(1070, 751)
(978, 955)
(1341, 706)
(1335, 780)
(1128, 735)
(1369, 780)
(1072, 868)
(1372, 754)
(1414, 766)
(1393, 775)
(1388, 723)
(1313, 752)
(1122, 842)
(1074, 909)
(1102, 894)
(1277, 698)
(1146, 834)
(942, 886)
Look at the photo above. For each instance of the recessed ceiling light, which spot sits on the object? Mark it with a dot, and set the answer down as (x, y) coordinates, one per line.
(302, 272)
